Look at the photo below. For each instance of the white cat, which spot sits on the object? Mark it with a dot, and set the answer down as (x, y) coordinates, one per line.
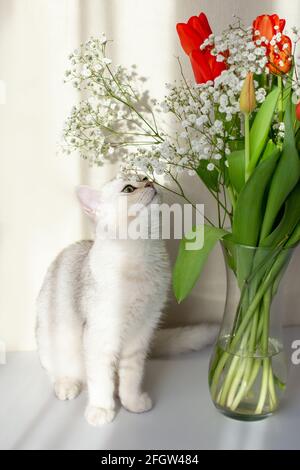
(100, 304)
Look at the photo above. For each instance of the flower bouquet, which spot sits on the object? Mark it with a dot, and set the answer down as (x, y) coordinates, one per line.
(236, 127)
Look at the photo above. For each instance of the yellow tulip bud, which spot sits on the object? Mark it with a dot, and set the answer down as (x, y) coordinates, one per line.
(247, 96)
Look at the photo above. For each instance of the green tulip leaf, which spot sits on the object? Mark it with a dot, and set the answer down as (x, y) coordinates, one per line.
(286, 93)
(247, 218)
(270, 148)
(289, 221)
(295, 237)
(261, 127)
(189, 263)
(236, 169)
(285, 177)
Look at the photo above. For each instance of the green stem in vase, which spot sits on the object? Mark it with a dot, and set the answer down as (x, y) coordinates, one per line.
(251, 365)
(272, 392)
(278, 264)
(217, 373)
(240, 374)
(236, 366)
(266, 323)
(264, 386)
(231, 374)
(237, 394)
(251, 334)
(267, 369)
(252, 369)
(240, 382)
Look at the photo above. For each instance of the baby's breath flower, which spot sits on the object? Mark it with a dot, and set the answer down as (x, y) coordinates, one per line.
(113, 119)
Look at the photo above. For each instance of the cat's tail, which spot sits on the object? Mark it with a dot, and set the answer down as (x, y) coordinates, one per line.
(171, 341)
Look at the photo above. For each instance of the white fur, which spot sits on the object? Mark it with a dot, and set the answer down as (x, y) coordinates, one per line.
(99, 306)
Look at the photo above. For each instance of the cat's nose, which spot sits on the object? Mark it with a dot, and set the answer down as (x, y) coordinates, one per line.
(149, 184)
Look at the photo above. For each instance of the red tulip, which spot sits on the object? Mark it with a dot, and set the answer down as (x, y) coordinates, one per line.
(265, 27)
(193, 33)
(298, 111)
(205, 66)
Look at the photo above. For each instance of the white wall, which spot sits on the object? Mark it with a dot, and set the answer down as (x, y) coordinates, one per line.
(38, 212)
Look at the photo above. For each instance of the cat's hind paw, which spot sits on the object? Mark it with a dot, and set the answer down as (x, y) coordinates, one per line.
(96, 416)
(67, 389)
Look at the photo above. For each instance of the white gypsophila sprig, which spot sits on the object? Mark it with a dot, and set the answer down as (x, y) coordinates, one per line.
(241, 53)
(202, 136)
(278, 129)
(208, 115)
(115, 112)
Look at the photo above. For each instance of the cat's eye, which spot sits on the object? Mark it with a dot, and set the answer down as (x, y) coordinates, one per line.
(128, 189)
(145, 179)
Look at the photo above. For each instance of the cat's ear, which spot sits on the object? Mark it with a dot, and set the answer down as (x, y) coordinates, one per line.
(89, 199)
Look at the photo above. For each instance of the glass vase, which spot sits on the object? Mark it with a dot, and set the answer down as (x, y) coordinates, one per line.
(248, 367)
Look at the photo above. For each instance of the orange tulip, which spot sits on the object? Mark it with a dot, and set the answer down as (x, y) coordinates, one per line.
(266, 26)
(280, 56)
(279, 50)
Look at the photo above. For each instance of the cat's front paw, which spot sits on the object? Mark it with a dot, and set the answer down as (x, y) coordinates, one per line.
(96, 416)
(67, 389)
(138, 404)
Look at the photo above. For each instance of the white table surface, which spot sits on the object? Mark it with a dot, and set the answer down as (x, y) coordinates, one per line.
(183, 416)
